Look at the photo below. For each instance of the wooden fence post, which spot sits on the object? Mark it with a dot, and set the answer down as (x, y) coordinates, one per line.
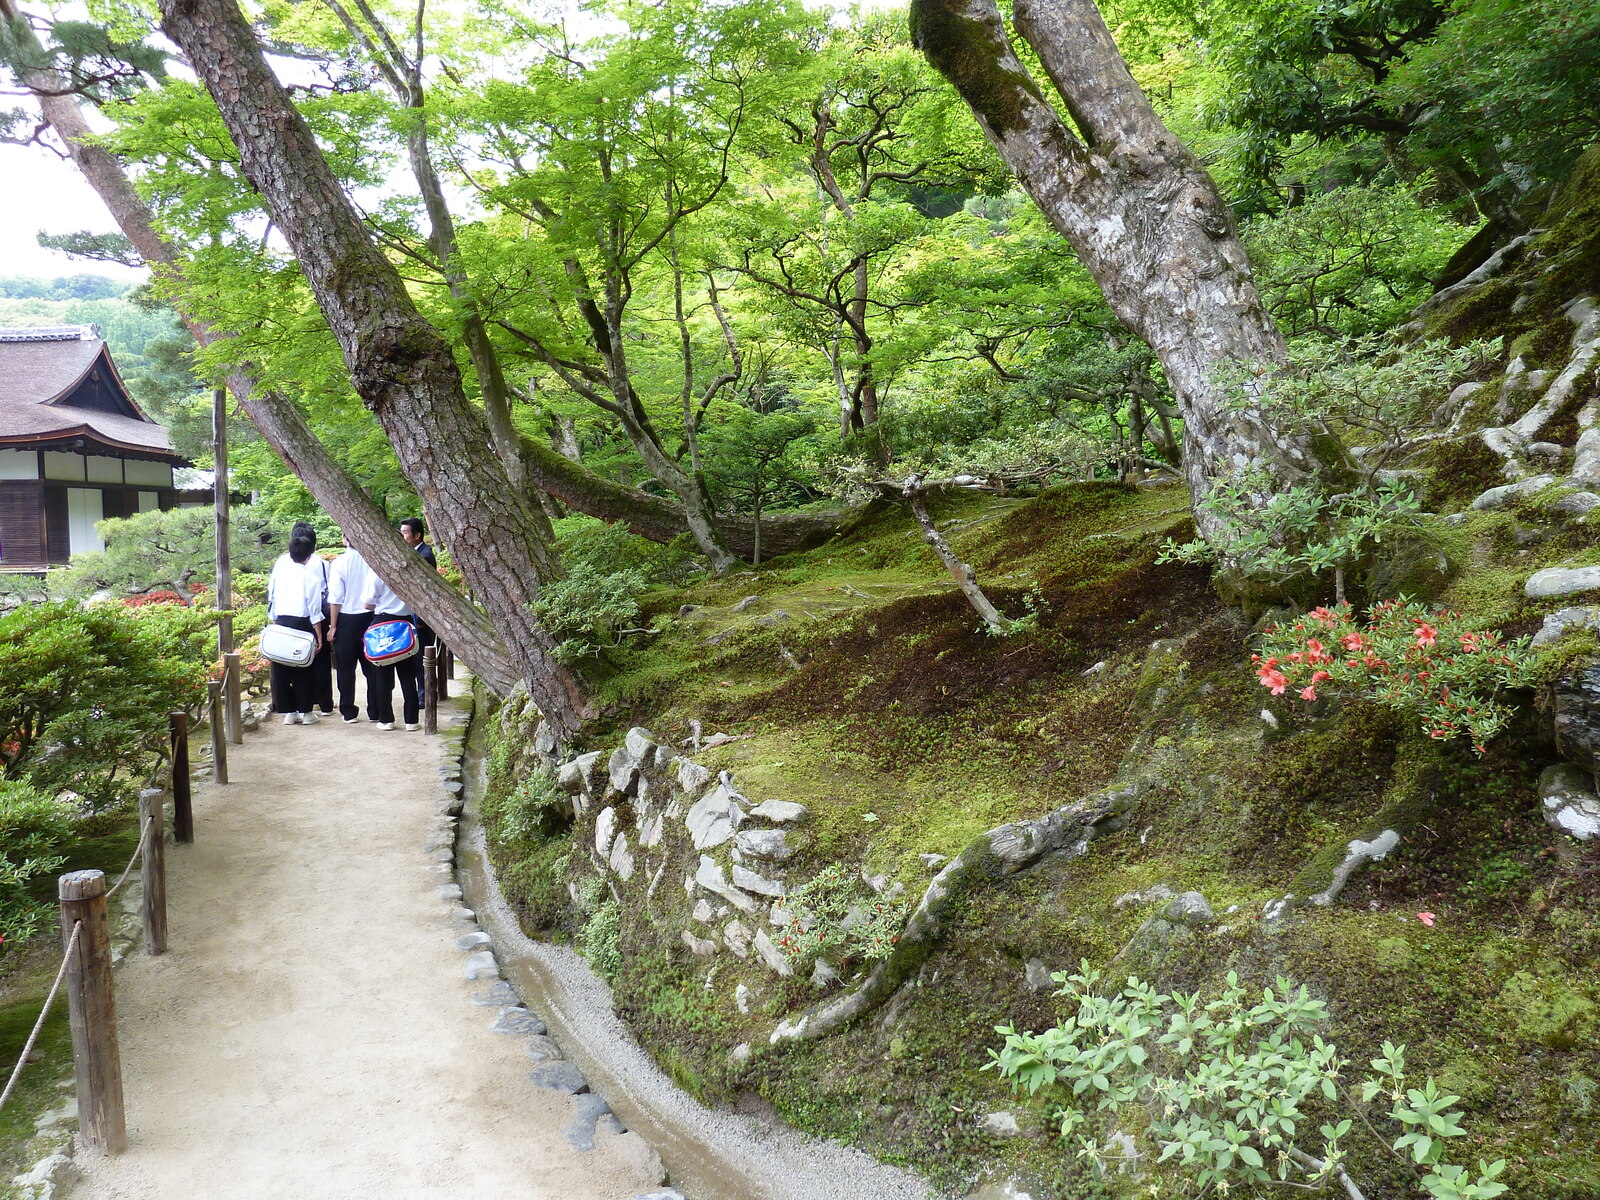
(182, 807)
(102, 1125)
(153, 870)
(231, 684)
(219, 742)
(430, 689)
(449, 663)
(441, 669)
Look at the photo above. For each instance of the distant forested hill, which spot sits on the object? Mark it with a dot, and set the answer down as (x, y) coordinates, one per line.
(128, 328)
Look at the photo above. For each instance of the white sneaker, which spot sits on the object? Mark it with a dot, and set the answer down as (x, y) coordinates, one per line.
(291, 718)
(309, 718)
(385, 725)
(412, 727)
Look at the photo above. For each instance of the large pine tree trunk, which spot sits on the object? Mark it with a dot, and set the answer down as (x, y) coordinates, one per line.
(398, 363)
(1135, 204)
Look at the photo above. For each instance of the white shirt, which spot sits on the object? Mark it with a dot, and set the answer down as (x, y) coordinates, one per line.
(294, 590)
(349, 580)
(381, 599)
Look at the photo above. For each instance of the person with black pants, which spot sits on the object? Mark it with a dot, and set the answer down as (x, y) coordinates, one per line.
(386, 606)
(348, 581)
(411, 528)
(294, 599)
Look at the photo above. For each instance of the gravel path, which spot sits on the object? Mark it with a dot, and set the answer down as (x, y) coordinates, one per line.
(309, 1032)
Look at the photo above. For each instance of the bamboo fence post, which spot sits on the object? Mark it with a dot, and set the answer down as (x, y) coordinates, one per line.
(182, 806)
(230, 688)
(430, 701)
(219, 743)
(153, 870)
(102, 1123)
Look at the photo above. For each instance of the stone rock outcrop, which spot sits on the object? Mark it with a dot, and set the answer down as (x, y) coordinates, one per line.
(1570, 804)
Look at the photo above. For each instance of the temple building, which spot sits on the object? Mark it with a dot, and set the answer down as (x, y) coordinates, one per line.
(74, 447)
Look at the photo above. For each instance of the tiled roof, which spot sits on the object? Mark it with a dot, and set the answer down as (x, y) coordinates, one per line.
(39, 367)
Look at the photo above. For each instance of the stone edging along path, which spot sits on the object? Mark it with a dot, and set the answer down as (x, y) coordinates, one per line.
(309, 1031)
(591, 1114)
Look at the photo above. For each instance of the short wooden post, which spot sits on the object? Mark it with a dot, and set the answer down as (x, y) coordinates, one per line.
(153, 870)
(219, 743)
(430, 689)
(231, 682)
(441, 669)
(182, 807)
(102, 1125)
(449, 663)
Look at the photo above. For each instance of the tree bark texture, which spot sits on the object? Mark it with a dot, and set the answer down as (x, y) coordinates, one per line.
(274, 415)
(1134, 203)
(398, 363)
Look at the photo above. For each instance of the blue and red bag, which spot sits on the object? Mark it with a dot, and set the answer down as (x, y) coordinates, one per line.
(389, 642)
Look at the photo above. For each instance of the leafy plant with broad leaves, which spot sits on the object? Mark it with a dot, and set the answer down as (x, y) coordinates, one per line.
(1226, 1091)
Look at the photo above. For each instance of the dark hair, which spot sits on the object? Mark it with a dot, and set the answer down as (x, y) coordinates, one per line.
(304, 529)
(415, 525)
(300, 547)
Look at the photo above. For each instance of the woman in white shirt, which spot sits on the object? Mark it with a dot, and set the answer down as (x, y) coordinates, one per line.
(294, 598)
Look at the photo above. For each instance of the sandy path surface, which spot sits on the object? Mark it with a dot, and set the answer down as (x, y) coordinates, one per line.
(309, 1034)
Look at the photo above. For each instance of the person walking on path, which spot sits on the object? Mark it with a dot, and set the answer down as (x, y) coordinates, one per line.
(412, 529)
(294, 598)
(386, 606)
(348, 581)
(321, 666)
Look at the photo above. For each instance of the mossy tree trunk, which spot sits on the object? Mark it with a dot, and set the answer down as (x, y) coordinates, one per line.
(1136, 205)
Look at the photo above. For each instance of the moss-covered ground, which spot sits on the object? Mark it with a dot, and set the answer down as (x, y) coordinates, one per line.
(859, 683)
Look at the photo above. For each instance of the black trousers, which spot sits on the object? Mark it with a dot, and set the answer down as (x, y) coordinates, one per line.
(381, 689)
(322, 670)
(294, 689)
(347, 656)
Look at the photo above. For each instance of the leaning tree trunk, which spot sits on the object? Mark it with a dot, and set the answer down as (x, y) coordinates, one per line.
(1135, 204)
(274, 415)
(400, 366)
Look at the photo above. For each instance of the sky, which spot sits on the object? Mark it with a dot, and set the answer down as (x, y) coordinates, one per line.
(39, 191)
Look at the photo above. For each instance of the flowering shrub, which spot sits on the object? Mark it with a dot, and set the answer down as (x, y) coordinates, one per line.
(835, 915)
(158, 597)
(1403, 656)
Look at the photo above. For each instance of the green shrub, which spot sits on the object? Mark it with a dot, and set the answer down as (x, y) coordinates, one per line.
(589, 610)
(33, 829)
(602, 939)
(84, 698)
(1227, 1091)
(836, 915)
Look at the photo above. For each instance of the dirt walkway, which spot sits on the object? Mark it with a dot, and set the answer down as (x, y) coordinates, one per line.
(309, 1034)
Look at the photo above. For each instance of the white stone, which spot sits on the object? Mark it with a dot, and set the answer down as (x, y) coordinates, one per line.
(692, 777)
(605, 828)
(1560, 581)
(781, 812)
(623, 770)
(741, 998)
(1002, 1124)
(622, 858)
(50, 1179)
(737, 938)
(651, 838)
(1570, 804)
(481, 965)
(764, 843)
(823, 975)
(710, 877)
(1577, 504)
(1558, 622)
(702, 910)
(771, 955)
(639, 743)
(744, 877)
(1497, 497)
(714, 820)
(698, 946)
